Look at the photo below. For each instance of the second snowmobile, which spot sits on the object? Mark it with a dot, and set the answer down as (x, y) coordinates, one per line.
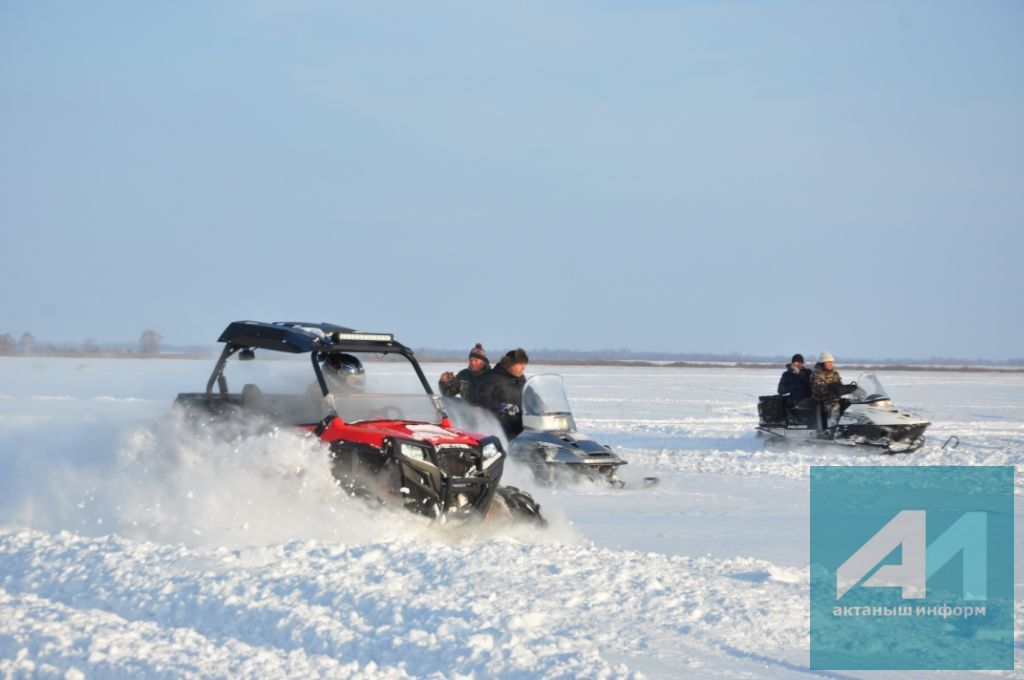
(551, 445)
(868, 418)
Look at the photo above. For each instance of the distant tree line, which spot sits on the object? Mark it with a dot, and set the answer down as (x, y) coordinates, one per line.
(624, 355)
(26, 344)
(150, 344)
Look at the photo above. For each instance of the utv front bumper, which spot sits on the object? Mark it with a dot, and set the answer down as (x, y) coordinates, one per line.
(448, 481)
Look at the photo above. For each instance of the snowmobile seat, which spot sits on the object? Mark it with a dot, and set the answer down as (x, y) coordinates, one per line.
(820, 414)
(808, 413)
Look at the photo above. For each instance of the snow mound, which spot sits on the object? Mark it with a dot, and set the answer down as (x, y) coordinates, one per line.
(419, 608)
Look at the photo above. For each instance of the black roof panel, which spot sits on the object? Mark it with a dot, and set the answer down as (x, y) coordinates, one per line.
(298, 337)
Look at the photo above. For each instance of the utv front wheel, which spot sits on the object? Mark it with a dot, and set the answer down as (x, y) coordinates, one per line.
(510, 502)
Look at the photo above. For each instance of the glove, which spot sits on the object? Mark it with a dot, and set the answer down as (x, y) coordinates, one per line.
(447, 376)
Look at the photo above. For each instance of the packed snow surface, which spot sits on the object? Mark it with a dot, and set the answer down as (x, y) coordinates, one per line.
(130, 547)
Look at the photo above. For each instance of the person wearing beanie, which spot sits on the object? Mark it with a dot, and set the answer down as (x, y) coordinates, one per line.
(826, 387)
(501, 391)
(464, 384)
(795, 381)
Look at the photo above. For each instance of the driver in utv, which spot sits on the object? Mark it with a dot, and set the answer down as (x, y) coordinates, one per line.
(344, 373)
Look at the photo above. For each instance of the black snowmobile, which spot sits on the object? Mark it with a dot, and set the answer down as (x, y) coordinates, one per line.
(550, 443)
(868, 418)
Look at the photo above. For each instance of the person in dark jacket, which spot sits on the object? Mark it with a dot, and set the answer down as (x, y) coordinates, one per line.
(463, 385)
(796, 381)
(501, 391)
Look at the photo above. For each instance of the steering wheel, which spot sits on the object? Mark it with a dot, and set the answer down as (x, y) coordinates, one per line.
(388, 412)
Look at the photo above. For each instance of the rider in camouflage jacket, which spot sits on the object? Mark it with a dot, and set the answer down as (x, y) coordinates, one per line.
(825, 381)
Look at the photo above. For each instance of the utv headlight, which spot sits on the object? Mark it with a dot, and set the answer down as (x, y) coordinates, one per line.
(490, 450)
(413, 451)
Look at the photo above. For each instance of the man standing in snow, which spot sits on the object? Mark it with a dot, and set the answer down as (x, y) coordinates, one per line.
(826, 386)
(796, 380)
(501, 391)
(464, 384)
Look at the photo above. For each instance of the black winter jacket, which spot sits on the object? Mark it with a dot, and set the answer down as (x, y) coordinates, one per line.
(465, 384)
(501, 393)
(796, 385)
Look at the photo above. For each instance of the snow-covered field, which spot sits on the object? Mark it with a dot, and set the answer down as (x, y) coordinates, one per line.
(128, 548)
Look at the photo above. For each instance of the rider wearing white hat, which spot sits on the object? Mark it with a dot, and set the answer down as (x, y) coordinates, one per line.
(825, 385)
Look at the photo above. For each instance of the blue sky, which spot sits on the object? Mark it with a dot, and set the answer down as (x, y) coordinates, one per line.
(708, 176)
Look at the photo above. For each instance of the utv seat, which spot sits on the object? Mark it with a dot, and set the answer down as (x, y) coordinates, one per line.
(252, 397)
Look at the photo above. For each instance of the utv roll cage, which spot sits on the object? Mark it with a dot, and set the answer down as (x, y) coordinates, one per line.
(296, 337)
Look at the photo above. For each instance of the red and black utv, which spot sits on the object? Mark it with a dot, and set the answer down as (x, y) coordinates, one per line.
(388, 435)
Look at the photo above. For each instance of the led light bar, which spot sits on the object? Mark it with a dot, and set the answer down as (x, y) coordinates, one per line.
(368, 337)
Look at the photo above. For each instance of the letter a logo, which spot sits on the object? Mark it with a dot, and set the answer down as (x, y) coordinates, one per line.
(906, 529)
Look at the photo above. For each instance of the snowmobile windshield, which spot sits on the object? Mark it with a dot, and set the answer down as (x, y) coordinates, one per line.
(869, 388)
(545, 406)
